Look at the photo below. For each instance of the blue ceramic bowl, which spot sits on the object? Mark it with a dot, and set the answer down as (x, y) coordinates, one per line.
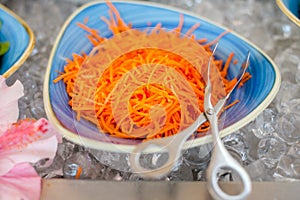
(254, 97)
(21, 39)
(290, 8)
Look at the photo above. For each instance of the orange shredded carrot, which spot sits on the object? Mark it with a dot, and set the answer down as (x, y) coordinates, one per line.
(245, 78)
(86, 20)
(78, 173)
(202, 40)
(230, 105)
(98, 103)
(180, 24)
(227, 64)
(217, 39)
(192, 29)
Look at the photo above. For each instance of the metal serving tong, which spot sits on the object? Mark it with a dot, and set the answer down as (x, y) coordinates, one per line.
(174, 144)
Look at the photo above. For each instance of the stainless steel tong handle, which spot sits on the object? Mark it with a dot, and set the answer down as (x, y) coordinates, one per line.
(222, 159)
(220, 156)
(171, 145)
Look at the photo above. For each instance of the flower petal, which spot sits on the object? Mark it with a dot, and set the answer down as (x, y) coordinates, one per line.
(21, 182)
(28, 142)
(9, 111)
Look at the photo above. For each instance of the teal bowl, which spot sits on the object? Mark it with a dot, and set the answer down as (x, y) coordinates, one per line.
(290, 8)
(254, 96)
(21, 40)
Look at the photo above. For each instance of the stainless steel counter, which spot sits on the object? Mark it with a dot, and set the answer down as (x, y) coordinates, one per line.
(80, 189)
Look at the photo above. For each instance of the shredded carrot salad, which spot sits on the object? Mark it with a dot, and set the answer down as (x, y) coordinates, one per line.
(131, 84)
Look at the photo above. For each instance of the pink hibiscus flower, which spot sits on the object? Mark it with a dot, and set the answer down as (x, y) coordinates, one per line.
(21, 143)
